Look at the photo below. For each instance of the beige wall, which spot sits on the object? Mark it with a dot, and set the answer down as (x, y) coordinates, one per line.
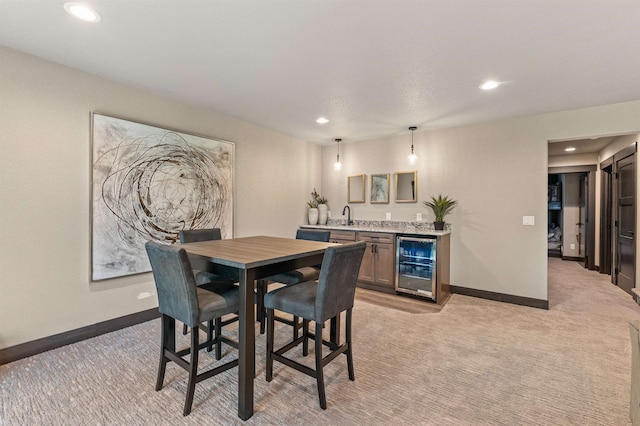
(498, 173)
(45, 189)
(617, 145)
(573, 160)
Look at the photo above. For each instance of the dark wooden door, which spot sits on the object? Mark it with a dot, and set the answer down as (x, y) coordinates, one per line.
(585, 225)
(626, 223)
(606, 202)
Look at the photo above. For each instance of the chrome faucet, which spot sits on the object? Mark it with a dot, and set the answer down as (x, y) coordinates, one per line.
(348, 210)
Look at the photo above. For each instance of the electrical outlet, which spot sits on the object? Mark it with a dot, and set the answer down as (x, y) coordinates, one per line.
(573, 246)
(418, 217)
(387, 216)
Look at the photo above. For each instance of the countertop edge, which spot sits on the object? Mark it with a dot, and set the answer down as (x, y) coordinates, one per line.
(404, 231)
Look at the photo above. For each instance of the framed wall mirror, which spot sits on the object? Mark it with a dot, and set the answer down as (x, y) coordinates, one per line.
(356, 188)
(407, 187)
(379, 189)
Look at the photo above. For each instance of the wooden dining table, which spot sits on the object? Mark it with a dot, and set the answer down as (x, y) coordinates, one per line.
(247, 260)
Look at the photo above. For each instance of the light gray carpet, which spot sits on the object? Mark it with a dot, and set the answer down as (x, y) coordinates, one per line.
(476, 362)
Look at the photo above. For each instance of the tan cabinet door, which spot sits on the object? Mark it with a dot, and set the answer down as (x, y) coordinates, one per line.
(367, 267)
(384, 264)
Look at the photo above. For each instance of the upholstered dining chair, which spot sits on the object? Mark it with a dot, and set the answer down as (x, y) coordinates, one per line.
(205, 277)
(332, 294)
(289, 278)
(208, 234)
(179, 298)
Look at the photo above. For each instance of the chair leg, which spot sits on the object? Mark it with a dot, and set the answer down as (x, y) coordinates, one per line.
(210, 335)
(319, 372)
(305, 334)
(193, 370)
(270, 334)
(218, 333)
(295, 327)
(349, 352)
(335, 330)
(167, 342)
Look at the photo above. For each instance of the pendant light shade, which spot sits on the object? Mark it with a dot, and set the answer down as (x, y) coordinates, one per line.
(338, 165)
(412, 157)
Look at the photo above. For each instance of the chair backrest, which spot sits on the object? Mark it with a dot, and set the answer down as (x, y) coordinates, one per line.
(338, 278)
(175, 284)
(313, 235)
(195, 235)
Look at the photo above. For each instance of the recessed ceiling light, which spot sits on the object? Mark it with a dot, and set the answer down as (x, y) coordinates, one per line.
(570, 149)
(322, 120)
(489, 85)
(81, 11)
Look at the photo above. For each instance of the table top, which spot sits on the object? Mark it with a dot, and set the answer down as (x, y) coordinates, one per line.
(252, 252)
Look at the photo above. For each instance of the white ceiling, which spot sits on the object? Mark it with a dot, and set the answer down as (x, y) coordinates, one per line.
(372, 67)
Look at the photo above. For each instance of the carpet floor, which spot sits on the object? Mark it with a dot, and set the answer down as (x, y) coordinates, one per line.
(475, 362)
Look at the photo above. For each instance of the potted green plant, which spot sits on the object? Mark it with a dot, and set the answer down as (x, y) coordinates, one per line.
(323, 210)
(441, 207)
(313, 212)
(320, 214)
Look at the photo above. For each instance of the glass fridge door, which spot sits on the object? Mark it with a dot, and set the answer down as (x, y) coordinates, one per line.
(416, 263)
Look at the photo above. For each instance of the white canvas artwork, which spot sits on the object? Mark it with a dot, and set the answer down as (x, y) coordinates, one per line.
(148, 184)
(379, 188)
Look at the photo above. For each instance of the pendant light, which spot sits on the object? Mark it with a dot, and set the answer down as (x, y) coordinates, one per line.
(412, 157)
(338, 165)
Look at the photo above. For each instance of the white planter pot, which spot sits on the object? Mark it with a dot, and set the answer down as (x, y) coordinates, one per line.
(323, 214)
(313, 216)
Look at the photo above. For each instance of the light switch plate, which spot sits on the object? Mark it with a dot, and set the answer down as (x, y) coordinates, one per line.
(528, 220)
(418, 217)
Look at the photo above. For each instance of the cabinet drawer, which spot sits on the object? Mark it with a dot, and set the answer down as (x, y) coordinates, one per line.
(375, 237)
(343, 235)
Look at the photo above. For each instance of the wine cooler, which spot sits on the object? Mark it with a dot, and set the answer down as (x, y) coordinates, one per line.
(416, 266)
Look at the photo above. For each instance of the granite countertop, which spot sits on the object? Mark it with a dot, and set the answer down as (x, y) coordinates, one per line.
(394, 227)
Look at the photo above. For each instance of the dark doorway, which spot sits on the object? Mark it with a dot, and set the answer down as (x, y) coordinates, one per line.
(625, 175)
(554, 216)
(582, 226)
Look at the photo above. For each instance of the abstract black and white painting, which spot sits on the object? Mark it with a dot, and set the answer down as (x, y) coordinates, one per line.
(148, 184)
